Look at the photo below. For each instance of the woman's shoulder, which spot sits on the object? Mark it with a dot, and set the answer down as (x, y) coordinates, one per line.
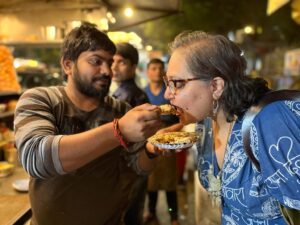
(279, 110)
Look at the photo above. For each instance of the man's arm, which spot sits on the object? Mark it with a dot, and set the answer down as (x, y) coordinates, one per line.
(44, 153)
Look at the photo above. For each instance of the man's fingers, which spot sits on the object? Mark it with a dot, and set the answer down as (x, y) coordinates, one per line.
(150, 115)
(145, 106)
(151, 127)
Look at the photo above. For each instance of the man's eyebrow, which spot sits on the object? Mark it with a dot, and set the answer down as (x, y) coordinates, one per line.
(101, 57)
(97, 55)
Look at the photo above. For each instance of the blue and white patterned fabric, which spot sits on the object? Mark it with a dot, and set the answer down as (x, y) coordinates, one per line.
(250, 197)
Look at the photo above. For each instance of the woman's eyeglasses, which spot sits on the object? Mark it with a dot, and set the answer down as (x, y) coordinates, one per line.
(174, 85)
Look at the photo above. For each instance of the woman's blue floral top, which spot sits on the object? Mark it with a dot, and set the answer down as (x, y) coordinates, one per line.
(249, 196)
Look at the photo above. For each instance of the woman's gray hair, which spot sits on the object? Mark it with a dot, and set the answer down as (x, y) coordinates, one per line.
(208, 56)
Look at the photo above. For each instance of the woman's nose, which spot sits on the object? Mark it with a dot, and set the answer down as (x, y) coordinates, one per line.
(168, 94)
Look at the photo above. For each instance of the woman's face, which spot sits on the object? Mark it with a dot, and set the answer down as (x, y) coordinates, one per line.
(192, 98)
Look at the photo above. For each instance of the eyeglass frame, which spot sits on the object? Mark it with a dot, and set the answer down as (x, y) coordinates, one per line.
(172, 87)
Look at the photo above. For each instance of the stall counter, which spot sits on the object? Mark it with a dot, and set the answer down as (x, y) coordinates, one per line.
(14, 205)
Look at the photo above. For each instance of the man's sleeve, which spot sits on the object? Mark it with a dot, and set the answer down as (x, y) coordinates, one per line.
(36, 135)
(132, 157)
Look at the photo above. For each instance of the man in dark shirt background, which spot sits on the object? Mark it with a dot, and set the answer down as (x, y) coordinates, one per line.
(124, 70)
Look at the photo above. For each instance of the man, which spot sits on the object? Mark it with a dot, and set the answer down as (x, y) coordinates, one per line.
(156, 88)
(123, 68)
(72, 144)
(164, 176)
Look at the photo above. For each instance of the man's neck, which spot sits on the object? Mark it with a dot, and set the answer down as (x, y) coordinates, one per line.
(119, 83)
(155, 87)
(80, 100)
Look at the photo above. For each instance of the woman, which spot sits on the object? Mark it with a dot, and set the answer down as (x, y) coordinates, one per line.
(206, 82)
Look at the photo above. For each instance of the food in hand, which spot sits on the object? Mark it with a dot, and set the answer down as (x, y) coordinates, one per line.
(167, 109)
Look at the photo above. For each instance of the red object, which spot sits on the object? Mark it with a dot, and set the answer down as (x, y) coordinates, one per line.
(118, 134)
(181, 161)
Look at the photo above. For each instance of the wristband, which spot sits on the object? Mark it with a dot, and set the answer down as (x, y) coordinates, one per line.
(118, 134)
(150, 154)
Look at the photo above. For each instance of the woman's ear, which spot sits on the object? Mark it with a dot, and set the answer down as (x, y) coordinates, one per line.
(218, 87)
(67, 66)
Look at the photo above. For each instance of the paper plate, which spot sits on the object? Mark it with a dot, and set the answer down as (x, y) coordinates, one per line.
(174, 140)
(21, 185)
(173, 146)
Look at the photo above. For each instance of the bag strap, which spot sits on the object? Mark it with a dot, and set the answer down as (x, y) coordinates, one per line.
(269, 97)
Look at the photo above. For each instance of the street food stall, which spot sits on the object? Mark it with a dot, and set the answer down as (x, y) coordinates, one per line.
(14, 199)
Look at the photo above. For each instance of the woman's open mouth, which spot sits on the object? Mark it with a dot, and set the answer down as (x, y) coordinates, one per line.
(178, 110)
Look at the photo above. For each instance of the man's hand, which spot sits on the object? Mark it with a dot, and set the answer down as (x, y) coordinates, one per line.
(140, 123)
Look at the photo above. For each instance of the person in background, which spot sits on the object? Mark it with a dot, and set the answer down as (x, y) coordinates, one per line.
(164, 175)
(124, 71)
(124, 66)
(77, 143)
(206, 82)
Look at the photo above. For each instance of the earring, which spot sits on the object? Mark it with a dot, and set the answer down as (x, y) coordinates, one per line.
(215, 108)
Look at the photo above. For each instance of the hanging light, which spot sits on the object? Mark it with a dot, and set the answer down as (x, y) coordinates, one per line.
(149, 48)
(128, 12)
(249, 29)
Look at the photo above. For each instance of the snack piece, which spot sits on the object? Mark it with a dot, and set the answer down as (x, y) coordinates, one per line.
(174, 140)
(167, 109)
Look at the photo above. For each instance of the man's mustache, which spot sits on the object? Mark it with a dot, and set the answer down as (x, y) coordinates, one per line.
(102, 77)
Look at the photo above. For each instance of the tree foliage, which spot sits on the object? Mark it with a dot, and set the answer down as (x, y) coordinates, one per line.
(219, 16)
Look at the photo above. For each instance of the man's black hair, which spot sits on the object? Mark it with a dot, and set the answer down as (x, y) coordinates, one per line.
(85, 38)
(129, 52)
(156, 61)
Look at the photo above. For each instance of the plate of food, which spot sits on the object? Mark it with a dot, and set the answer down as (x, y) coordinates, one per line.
(174, 140)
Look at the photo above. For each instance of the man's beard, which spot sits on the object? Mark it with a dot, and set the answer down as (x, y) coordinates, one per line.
(87, 88)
